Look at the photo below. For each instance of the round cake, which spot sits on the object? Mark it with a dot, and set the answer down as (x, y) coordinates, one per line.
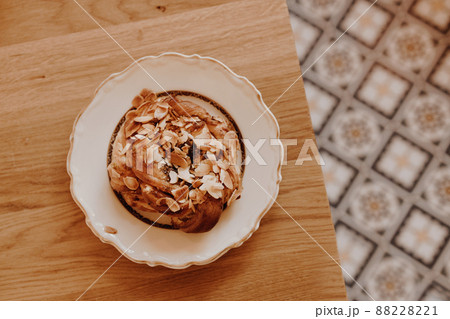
(174, 165)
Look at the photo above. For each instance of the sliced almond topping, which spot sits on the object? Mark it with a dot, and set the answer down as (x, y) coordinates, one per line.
(153, 154)
(170, 137)
(184, 174)
(162, 124)
(137, 101)
(110, 230)
(183, 137)
(120, 148)
(176, 159)
(131, 128)
(148, 95)
(197, 183)
(191, 206)
(185, 148)
(211, 156)
(216, 144)
(192, 119)
(139, 136)
(131, 182)
(143, 119)
(148, 126)
(173, 177)
(216, 169)
(223, 164)
(181, 193)
(230, 135)
(143, 131)
(226, 179)
(145, 92)
(202, 134)
(129, 159)
(161, 164)
(161, 111)
(114, 173)
(197, 196)
(212, 186)
(178, 123)
(169, 202)
(202, 169)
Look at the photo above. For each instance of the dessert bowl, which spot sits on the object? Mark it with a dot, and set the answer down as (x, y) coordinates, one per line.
(110, 220)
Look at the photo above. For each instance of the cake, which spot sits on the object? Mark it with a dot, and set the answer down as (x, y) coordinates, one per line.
(174, 164)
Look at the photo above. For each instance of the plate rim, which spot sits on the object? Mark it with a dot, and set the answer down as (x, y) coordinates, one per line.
(223, 251)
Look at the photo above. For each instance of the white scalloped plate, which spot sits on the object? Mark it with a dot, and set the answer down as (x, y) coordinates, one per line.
(86, 162)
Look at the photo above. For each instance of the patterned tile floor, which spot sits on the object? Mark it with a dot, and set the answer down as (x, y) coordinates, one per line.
(380, 106)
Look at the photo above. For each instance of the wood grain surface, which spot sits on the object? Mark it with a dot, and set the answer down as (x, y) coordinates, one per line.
(47, 251)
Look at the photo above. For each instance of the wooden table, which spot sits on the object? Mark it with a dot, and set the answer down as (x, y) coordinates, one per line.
(53, 57)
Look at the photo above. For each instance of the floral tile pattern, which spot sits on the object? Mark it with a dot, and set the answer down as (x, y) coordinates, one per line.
(367, 28)
(338, 176)
(436, 293)
(383, 90)
(354, 251)
(321, 103)
(402, 162)
(393, 279)
(441, 75)
(341, 64)
(434, 12)
(428, 116)
(438, 191)
(380, 106)
(356, 132)
(422, 236)
(375, 205)
(306, 35)
(411, 46)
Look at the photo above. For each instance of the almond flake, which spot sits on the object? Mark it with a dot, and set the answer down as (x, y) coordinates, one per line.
(202, 169)
(226, 179)
(131, 128)
(148, 126)
(161, 164)
(192, 119)
(131, 182)
(139, 136)
(153, 154)
(184, 137)
(137, 101)
(170, 137)
(181, 193)
(110, 230)
(143, 119)
(126, 148)
(211, 156)
(173, 177)
(161, 111)
(196, 195)
(114, 173)
(197, 183)
(170, 202)
(184, 174)
(176, 159)
(191, 206)
(223, 164)
(216, 144)
(212, 186)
